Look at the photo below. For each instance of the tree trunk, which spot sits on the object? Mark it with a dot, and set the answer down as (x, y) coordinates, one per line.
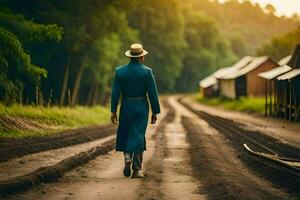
(36, 95)
(65, 82)
(76, 87)
(105, 98)
(96, 94)
(90, 95)
(41, 98)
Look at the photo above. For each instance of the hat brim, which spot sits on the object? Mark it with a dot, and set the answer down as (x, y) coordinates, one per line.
(128, 54)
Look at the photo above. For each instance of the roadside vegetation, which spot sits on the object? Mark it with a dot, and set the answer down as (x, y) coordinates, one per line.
(244, 104)
(65, 52)
(24, 121)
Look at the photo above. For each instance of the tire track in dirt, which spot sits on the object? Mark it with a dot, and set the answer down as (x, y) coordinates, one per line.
(17, 167)
(169, 173)
(179, 179)
(101, 178)
(218, 167)
(236, 135)
(150, 187)
(52, 173)
(13, 148)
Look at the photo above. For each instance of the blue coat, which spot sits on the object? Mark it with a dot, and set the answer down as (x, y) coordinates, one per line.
(133, 82)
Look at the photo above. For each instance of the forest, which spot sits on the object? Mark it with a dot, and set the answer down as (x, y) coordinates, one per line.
(57, 52)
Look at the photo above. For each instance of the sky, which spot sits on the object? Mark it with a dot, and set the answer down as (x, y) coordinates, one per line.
(283, 7)
(286, 7)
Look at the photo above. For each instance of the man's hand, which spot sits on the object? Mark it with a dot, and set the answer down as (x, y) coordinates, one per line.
(114, 118)
(153, 119)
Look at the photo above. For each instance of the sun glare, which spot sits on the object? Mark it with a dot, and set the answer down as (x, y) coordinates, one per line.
(283, 7)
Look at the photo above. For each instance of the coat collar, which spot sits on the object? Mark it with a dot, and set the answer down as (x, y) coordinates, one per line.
(134, 61)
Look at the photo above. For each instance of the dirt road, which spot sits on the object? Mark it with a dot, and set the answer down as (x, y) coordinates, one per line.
(186, 159)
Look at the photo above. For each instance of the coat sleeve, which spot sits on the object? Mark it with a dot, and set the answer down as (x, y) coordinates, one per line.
(152, 93)
(115, 94)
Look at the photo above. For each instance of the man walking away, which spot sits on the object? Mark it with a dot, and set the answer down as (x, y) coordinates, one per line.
(133, 82)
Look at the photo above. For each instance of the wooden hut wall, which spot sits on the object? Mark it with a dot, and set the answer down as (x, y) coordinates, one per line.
(255, 84)
(208, 92)
(227, 88)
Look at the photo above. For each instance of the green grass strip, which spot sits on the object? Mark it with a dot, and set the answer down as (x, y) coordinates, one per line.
(22, 121)
(244, 104)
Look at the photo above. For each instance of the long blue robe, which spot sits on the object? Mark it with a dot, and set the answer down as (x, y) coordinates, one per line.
(133, 82)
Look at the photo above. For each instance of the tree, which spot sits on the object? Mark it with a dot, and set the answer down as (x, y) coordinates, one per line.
(245, 19)
(185, 44)
(84, 26)
(101, 24)
(162, 33)
(238, 45)
(206, 50)
(101, 64)
(15, 29)
(270, 9)
(281, 46)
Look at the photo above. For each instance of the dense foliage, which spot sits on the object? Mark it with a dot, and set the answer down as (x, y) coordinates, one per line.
(77, 44)
(162, 33)
(207, 49)
(281, 46)
(14, 30)
(246, 25)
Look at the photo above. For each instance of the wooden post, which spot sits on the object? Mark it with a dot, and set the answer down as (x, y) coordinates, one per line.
(266, 100)
(279, 94)
(271, 98)
(285, 99)
(295, 101)
(275, 99)
(296, 111)
(282, 97)
(290, 111)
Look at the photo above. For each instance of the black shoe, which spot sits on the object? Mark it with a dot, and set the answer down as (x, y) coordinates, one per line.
(127, 168)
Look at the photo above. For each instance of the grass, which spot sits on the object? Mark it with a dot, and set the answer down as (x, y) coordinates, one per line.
(23, 121)
(244, 104)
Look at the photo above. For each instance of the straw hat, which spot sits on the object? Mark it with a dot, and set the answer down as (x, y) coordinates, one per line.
(136, 50)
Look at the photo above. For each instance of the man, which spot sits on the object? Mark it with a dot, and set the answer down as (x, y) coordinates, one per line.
(134, 82)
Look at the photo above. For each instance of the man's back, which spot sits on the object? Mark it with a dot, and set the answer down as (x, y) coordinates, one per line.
(134, 78)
